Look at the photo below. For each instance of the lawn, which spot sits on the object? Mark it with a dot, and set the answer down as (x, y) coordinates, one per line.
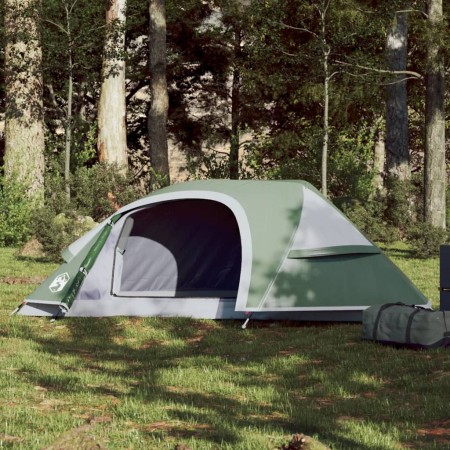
(121, 383)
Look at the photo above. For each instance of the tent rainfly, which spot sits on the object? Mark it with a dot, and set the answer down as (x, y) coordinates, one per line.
(222, 249)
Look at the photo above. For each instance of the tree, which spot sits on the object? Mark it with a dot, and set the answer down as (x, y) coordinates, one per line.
(214, 99)
(72, 36)
(157, 116)
(435, 167)
(313, 98)
(24, 123)
(112, 136)
(397, 150)
(235, 106)
(321, 8)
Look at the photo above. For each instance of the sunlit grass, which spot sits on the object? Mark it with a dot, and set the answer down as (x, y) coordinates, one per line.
(153, 383)
(424, 273)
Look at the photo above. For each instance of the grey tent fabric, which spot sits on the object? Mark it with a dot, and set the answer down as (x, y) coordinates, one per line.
(203, 256)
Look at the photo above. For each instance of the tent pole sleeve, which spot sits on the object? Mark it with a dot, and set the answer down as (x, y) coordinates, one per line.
(88, 262)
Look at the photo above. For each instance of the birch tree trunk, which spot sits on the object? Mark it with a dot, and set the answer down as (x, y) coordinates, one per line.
(326, 103)
(68, 137)
(326, 50)
(379, 159)
(112, 134)
(397, 152)
(435, 168)
(235, 110)
(24, 123)
(157, 118)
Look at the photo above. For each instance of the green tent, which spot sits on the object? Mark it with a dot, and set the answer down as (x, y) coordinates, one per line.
(224, 249)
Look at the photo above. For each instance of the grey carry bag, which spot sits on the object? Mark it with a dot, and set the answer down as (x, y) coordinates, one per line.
(407, 326)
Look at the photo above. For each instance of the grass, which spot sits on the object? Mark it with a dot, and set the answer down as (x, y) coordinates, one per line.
(132, 383)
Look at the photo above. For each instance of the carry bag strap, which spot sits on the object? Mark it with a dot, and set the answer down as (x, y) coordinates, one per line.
(447, 332)
(409, 325)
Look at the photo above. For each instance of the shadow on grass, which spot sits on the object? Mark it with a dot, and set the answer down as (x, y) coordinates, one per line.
(218, 382)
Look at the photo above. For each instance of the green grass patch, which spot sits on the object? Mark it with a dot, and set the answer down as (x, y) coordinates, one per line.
(153, 383)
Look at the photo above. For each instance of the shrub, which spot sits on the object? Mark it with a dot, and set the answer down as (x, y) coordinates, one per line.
(99, 190)
(426, 239)
(15, 212)
(56, 232)
(350, 170)
(369, 218)
(403, 204)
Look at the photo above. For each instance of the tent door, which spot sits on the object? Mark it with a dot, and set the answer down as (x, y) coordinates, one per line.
(182, 248)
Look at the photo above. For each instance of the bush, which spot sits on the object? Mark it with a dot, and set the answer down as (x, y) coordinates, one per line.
(15, 212)
(369, 218)
(426, 239)
(391, 216)
(349, 164)
(97, 192)
(403, 204)
(56, 232)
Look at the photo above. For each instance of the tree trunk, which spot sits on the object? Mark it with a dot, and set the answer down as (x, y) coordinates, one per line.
(68, 137)
(397, 152)
(235, 110)
(157, 118)
(326, 102)
(326, 50)
(24, 123)
(379, 159)
(112, 134)
(435, 168)
(68, 140)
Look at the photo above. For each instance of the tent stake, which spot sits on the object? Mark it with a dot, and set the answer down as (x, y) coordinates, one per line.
(247, 320)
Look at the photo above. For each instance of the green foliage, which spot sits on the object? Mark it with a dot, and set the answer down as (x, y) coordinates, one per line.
(15, 211)
(84, 148)
(285, 154)
(396, 215)
(350, 171)
(403, 203)
(56, 232)
(369, 218)
(98, 191)
(387, 216)
(208, 165)
(426, 239)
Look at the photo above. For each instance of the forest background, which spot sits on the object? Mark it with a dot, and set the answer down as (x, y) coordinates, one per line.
(103, 102)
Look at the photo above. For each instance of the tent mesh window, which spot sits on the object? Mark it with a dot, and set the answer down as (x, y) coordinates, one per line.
(183, 248)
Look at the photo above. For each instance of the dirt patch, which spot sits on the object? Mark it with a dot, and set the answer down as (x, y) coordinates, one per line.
(49, 404)
(179, 430)
(202, 329)
(22, 280)
(82, 437)
(6, 438)
(437, 430)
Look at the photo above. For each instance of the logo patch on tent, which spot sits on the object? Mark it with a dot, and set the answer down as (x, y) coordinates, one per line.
(59, 282)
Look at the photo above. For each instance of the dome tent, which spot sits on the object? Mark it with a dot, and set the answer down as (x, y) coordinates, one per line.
(224, 249)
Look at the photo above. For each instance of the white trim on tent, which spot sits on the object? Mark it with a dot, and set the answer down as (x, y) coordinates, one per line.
(230, 202)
